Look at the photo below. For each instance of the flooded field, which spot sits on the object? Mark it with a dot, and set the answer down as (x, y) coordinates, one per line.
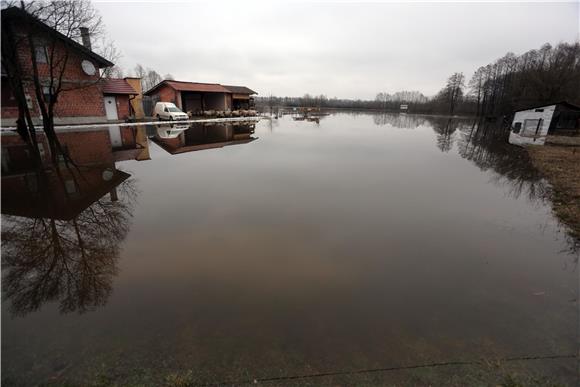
(358, 249)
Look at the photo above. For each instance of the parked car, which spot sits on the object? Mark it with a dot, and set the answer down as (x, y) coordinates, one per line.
(168, 111)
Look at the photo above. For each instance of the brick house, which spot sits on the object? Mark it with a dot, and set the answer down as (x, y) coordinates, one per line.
(82, 98)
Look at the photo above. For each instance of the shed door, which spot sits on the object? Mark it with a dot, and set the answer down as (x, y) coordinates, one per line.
(111, 108)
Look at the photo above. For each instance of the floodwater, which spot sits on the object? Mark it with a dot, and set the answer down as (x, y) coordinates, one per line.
(355, 245)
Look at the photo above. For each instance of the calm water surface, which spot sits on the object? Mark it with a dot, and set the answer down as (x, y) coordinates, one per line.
(288, 248)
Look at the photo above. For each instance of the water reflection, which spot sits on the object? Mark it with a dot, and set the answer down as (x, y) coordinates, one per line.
(399, 120)
(485, 144)
(63, 224)
(425, 262)
(176, 138)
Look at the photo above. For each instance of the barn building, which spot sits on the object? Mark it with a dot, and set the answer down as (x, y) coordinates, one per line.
(196, 97)
(531, 126)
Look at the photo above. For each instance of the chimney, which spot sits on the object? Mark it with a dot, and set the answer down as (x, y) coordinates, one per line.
(86, 37)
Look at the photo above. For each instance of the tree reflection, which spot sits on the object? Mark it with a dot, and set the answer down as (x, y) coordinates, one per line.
(485, 144)
(69, 260)
(399, 120)
(445, 129)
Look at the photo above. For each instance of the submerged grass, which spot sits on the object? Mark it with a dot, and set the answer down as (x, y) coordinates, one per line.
(560, 165)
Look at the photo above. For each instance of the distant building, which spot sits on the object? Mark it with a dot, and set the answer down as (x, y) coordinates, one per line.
(196, 97)
(83, 101)
(532, 125)
(404, 107)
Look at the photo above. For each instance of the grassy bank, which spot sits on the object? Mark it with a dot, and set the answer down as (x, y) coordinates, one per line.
(560, 165)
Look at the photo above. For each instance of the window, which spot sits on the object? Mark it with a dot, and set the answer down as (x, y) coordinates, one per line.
(46, 93)
(530, 127)
(8, 98)
(41, 54)
(517, 127)
(539, 110)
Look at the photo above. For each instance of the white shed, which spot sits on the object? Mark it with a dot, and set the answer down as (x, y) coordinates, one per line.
(531, 126)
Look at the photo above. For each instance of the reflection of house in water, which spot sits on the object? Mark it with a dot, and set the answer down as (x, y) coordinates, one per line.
(62, 192)
(60, 231)
(178, 139)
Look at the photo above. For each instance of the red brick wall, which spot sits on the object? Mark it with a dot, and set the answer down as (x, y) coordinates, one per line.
(84, 97)
(167, 94)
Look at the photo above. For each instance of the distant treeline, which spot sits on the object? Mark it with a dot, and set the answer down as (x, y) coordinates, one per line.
(546, 75)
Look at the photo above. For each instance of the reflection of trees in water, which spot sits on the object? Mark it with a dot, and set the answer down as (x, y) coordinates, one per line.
(485, 144)
(445, 129)
(69, 261)
(403, 121)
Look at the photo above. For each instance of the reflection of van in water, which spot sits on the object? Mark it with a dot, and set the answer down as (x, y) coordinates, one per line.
(171, 131)
(168, 111)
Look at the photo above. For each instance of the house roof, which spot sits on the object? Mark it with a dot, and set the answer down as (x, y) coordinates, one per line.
(564, 103)
(117, 86)
(190, 86)
(14, 13)
(240, 89)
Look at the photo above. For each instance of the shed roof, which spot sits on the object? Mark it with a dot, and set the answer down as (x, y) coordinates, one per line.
(240, 89)
(190, 86)
(117, 86)
(15, 13)
(563, 103)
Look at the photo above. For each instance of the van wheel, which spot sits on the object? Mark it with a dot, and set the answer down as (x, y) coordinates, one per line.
(159, 118)
(170, 118)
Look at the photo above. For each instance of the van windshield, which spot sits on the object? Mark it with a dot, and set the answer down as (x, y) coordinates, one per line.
(173, 109)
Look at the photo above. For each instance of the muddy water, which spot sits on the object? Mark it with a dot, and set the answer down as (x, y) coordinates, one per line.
(289, 247)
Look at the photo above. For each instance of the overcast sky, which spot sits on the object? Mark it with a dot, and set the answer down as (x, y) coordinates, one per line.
(341, 49)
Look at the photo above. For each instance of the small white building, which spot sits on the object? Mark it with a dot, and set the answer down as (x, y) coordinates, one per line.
(531, 126)
(404, 107)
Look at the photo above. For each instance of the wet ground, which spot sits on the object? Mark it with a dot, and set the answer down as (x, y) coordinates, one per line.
(357, 250)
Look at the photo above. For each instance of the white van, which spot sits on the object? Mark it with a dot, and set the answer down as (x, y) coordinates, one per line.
(168, 111)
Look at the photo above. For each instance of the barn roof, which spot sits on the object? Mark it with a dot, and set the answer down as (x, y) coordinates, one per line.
(562, 103)
(190, 86)
(240, 89)
(17, 14)
(117, 86)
